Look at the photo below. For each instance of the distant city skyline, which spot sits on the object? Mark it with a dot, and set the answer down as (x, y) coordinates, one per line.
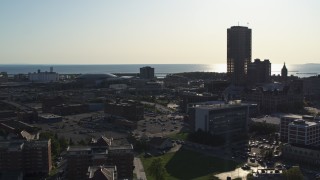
(155, 32)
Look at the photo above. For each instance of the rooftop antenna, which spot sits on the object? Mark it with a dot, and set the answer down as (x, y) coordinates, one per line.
(238, 23)
(247, 24)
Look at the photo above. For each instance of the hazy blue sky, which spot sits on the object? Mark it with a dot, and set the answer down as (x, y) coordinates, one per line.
(155, 32)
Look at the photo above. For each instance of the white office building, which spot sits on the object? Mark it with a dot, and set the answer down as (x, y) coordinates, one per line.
(220, 118)
(304, 132)
(44, 76)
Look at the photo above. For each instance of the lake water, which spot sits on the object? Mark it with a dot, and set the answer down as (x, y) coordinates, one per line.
(301, 70)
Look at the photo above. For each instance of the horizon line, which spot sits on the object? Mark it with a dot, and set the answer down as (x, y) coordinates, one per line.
(141, 64)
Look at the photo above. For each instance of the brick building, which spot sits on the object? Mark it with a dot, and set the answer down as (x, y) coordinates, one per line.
(276, 97)
(102, 173)
(80, 158)
(259, 72)
(99, 153)
(122, 158)
(28, 157)
(131, 110)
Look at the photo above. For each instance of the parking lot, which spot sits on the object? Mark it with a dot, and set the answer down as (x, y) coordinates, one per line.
(84, 127)
(159, 125)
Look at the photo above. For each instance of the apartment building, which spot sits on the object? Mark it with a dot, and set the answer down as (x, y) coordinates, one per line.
(122, 157)
(28, 157)
(79, 159)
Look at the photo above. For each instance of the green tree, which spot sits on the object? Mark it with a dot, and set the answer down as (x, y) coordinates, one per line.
(268, 154)
(55, 144)
(82, 142)
(250, 176)
(293, 173)
(71, 143)
(63, 143)
(157, 169)
(263, 128)
(55, 147)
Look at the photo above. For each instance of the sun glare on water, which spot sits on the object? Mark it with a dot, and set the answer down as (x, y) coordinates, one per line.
(218, 68)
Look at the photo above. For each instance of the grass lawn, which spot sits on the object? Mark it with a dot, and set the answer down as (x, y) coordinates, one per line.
(180, 135)
(186, 164)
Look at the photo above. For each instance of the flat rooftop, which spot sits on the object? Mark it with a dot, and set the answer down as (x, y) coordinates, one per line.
(219, 105)
(49, 116)
(78, 148)
(123, 147)
(267, 119)
(304, 123)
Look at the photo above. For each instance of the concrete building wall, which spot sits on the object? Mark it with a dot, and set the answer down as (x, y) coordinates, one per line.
(201, 119)
(44, 77)
(301, 154)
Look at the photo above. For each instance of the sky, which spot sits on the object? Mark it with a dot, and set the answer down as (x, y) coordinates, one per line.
(155, 31)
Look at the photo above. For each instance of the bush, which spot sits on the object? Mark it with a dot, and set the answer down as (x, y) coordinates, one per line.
(262, 128)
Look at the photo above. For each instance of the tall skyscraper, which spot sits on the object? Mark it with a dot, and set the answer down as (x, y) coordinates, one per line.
(238, 53)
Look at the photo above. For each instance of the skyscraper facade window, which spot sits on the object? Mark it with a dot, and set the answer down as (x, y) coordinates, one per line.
(238, 53)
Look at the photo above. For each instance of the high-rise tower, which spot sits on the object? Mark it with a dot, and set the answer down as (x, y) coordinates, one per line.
(238, 53)
(284, 71)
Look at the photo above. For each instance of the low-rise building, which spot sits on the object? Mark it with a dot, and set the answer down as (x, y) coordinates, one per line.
(297, 129)
(49, 118)
(220, 118)
(304, 132)
(145, 87)
(284, 125)
(174, 80)
(216, 87)
(193, 97)
(130, 110)
(44, 76)
(277, 97)
(265, 174)
(309, 155)
(68, 109)
(24, 113)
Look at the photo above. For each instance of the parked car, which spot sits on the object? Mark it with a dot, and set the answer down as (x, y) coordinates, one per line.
(245, 167)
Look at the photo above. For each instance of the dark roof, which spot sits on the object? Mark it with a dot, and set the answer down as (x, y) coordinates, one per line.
(103, 141)
(101, 173)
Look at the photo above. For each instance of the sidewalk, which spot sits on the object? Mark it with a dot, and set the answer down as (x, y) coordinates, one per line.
(139, 170)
